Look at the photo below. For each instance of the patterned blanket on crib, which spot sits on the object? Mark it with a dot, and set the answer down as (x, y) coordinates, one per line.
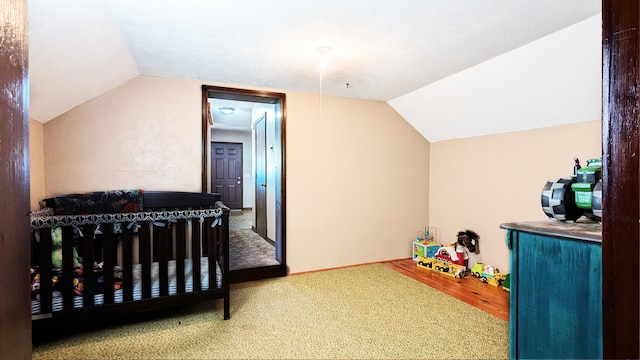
(78, 280)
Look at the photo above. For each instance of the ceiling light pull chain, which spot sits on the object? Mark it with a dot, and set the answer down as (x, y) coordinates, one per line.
(321, 94)
(324, 62)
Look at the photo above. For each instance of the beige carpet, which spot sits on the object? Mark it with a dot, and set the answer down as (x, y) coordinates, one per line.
(362, 312)
(247, 249)
(241, 220)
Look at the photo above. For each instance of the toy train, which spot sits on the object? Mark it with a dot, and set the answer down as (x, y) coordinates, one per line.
(446, 260)
(489, 275)
(443, 266)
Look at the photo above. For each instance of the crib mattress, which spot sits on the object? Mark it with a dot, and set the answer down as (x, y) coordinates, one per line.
(137, 285)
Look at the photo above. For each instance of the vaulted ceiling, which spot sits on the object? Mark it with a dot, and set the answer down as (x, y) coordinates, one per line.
(383, 49)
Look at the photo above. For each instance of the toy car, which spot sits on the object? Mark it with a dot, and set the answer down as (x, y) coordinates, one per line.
(569, 198)
(441, 266)
(488, 274)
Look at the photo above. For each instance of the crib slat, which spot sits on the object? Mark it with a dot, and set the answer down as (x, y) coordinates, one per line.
(155, 244)
(127, 262)
(180, 235)
(223, 257)
(196, 252)
(163, 255)
(145, 258)
(67, 268)
(88, 258)
(44, 262)
(109, 262)
(211, 240)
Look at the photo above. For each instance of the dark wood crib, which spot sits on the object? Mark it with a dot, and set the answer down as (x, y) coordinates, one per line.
(172, 250)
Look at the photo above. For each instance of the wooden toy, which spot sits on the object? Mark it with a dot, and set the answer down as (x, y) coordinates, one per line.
(443, 267)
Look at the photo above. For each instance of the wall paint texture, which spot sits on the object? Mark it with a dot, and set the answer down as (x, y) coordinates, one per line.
(36, 164)
(357, 182)
(361, 181)
(145, 134)
(357, 174)
(479, 183)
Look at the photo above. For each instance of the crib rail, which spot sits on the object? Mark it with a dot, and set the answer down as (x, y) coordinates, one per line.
(126, 240)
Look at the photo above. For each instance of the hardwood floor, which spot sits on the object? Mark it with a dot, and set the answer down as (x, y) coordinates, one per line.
(492, 299)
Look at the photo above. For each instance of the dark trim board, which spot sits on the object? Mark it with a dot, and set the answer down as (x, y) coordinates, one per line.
(621, 186)
(15, 331)
(265, 97)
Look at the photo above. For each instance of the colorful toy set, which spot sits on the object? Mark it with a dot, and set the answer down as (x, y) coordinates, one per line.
(424, 249)
(456, 255)
(453, 260)
(506, 285)
(443, 266)
(450, 260)
(488, 274)
(426, 246)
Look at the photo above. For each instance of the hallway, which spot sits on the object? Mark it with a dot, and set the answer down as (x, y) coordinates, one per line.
(247, 249)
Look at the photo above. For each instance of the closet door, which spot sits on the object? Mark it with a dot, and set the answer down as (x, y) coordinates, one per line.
(261, 176)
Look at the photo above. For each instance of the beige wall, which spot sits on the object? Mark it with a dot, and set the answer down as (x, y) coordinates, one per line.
(357, 182)
(36, 164)
(360, 180)
(145, 134)
(479, 183)
(357, 177)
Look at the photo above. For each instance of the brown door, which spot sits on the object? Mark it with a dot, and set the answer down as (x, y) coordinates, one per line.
(261, 176)
(226, 173)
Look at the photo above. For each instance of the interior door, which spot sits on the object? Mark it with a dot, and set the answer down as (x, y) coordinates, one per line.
(261, 176)
(226, 173)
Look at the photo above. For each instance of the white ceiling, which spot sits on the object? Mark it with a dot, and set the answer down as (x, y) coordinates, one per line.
(240, 120)
(80, 49)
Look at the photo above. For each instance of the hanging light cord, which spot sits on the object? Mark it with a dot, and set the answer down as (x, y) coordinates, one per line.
(323, 50)
(321, 71)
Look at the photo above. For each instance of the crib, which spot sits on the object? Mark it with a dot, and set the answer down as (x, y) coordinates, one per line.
(112, 253)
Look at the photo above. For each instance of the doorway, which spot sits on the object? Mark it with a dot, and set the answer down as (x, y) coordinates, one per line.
(254, 121)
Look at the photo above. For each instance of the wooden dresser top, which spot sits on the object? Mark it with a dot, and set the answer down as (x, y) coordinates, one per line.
(580, 230)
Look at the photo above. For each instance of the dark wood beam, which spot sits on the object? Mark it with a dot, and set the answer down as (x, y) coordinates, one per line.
(621, 190)
(15, 311)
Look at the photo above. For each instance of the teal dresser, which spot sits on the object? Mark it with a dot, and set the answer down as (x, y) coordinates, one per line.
(555, 309)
